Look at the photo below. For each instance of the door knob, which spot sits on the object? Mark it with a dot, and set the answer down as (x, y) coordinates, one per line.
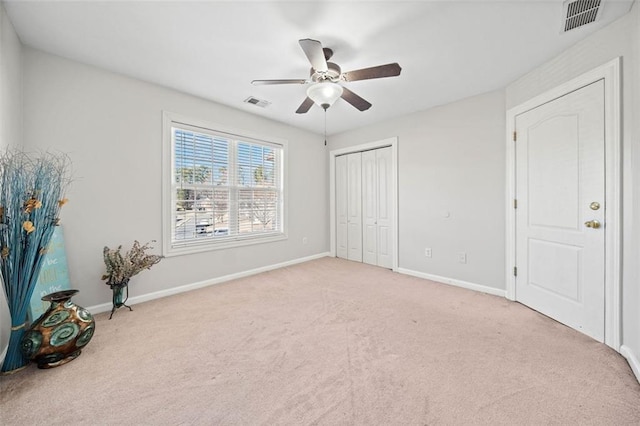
(592, 224)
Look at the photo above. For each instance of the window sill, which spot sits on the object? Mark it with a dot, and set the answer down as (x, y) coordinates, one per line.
(191, 248)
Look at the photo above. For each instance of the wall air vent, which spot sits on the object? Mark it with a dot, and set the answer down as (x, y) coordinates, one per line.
(577, 13)
(257, 102)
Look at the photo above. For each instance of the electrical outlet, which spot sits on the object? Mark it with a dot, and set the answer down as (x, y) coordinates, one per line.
(462, 257)
(427, 252)
(304, 240)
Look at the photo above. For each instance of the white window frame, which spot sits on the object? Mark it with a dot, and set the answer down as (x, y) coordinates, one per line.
(170, 120)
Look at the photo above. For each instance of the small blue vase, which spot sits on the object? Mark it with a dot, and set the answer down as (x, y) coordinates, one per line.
(120, 295)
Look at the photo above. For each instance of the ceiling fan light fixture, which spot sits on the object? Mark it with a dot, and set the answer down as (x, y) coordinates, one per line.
(324, 93)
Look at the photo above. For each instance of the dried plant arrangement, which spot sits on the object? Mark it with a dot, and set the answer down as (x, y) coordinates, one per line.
(120, 268)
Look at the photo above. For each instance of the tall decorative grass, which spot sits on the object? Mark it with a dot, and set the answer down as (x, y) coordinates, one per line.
(32, 191)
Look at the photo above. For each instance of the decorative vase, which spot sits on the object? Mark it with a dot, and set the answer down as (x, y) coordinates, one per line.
(59, 335)
(120, 296)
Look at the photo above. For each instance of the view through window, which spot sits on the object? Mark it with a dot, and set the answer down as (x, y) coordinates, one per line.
(224, 188)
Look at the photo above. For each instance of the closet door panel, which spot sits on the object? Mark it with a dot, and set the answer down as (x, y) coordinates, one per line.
(354, 208)
(341, 207)
(369, 208)
(384, 208)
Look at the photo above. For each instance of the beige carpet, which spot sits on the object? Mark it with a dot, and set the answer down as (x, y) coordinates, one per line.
(329, 342)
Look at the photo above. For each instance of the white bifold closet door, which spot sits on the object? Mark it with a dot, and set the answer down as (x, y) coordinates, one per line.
(364, 207)
(354, 206)
(376, 209)
(342, 250)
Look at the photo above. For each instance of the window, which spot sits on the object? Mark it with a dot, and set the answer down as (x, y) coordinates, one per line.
(222, 189)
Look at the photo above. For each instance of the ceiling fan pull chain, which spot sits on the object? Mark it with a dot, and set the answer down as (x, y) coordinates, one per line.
(325, 127)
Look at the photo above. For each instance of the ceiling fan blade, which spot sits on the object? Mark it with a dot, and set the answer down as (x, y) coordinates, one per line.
(355, 100)
(305, 106)
(292, 81)
(388, 70)
(315, 54)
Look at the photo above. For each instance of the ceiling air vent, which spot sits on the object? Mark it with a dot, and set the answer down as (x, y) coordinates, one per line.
(258, 102)
(580, 12)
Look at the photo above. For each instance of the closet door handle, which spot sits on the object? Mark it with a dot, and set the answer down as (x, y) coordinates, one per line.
(592, 224)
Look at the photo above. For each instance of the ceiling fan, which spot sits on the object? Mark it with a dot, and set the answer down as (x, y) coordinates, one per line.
(325, 75)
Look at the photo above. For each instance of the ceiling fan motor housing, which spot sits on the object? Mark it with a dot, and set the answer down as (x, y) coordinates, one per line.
(333, 73)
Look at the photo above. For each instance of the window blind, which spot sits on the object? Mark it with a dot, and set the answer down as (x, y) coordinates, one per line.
(224, 188)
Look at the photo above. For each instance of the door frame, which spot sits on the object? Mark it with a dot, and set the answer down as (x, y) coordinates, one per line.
(610, 74)
(389, 142)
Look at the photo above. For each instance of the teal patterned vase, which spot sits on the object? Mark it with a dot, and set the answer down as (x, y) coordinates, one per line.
(59, 335)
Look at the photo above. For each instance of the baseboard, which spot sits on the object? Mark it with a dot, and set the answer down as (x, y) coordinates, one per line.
(106, 307)
(458, 283)
(632, 359)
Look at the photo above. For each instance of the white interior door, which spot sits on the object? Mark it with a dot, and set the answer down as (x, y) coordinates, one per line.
(341, 207)
(354, 206)
(369, 208)
(560, 229)
(384, 205)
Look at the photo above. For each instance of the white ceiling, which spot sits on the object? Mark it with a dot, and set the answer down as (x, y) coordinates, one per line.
(448, 50)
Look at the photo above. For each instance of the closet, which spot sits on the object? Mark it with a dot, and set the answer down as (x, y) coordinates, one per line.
(364, 207)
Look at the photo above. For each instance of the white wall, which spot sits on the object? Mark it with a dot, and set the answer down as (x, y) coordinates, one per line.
(10, 124)
(111, 127)
(10, 84)
(450, 159)
(622, 38)
(631, 290)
